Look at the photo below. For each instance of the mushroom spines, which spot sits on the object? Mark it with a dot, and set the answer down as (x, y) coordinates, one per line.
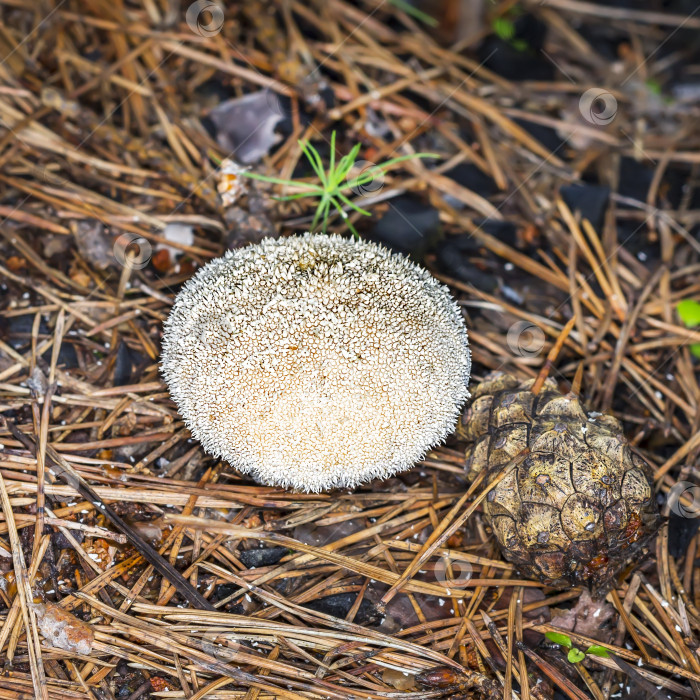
(316, 361)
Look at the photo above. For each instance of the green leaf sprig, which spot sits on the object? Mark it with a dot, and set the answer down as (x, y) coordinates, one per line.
(575, 655)
(333, 182)
(689, 312)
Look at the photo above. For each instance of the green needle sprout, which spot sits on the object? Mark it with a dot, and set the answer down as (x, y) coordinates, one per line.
(334, 182)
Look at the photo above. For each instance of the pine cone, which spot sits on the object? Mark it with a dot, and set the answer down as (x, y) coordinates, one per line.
(581, 503)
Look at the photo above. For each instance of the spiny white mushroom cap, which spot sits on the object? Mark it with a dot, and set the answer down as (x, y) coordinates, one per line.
(316, 361)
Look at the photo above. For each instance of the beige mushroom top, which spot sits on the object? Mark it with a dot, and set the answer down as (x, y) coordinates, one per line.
(315, 361)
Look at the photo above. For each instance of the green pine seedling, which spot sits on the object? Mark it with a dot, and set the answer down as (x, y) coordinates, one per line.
(562, 640)
(654, 86)
(415, 12)
(333, 182)
(689, 312)
(575, 655)
(504, 28)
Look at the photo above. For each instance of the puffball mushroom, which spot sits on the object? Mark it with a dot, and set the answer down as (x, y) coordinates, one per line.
(315, 361)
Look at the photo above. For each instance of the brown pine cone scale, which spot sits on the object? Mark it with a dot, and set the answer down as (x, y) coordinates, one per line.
(580, 504)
